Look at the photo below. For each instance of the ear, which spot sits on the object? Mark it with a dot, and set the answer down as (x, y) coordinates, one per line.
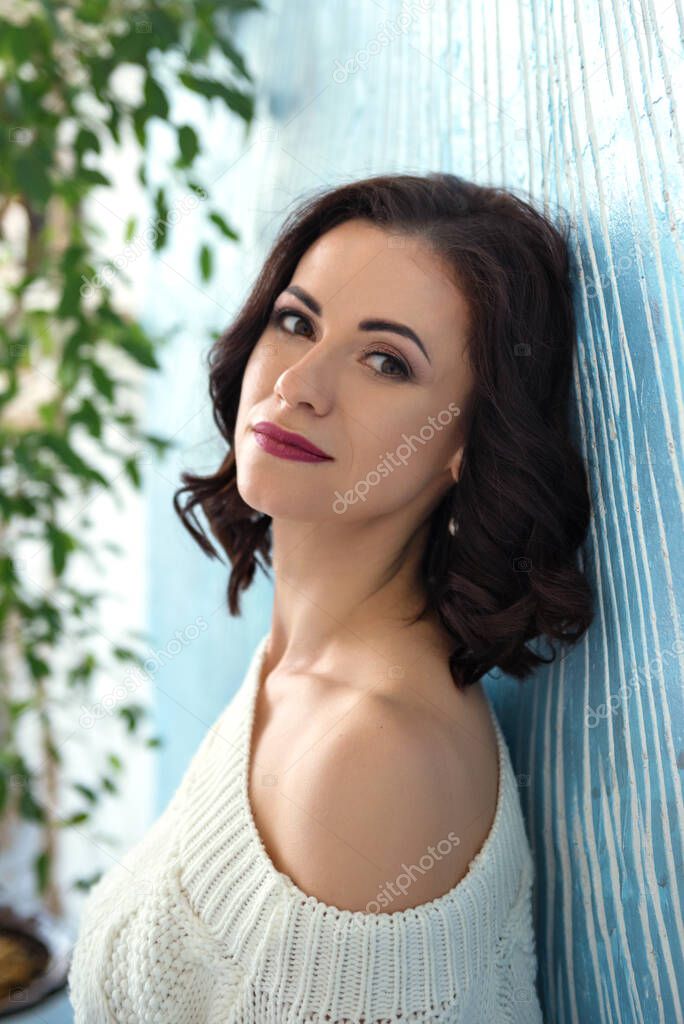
(454, 464)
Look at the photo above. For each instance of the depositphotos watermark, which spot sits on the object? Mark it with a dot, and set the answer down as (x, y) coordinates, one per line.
(593, 716)
(136, 676)
(406, 877)
(403, 453)
(387, 31)
(142, 242)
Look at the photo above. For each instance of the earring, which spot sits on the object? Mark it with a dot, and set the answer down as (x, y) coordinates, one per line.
(453, 526)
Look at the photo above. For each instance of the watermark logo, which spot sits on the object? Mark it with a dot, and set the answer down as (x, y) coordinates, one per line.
(594, 715)
(392, 460)
(405, 879)
(142, 243)
(388, 31)
(136, 676)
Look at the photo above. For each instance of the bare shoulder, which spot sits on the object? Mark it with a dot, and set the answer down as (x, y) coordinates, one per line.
(396, 804)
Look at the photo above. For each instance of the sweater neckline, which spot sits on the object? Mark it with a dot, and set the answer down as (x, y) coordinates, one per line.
(478, 865)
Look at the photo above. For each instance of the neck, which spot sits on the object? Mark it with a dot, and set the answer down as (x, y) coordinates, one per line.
(340, 588)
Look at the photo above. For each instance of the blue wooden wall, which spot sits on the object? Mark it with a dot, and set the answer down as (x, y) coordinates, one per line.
(577, 102)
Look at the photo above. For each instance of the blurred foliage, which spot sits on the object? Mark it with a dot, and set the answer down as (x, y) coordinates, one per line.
(65, 344)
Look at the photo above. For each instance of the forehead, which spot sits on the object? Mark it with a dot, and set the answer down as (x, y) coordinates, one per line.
(358, 269)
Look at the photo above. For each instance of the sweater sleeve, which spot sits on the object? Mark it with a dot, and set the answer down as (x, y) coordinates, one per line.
(117, 897)
(515, 964)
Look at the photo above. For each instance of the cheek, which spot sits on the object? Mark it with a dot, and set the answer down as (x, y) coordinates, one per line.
(415, 440)
(255, 382)
(420, 424)
(403, 448)
(262, 369)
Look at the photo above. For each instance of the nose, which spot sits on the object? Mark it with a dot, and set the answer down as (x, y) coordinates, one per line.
(301, 383)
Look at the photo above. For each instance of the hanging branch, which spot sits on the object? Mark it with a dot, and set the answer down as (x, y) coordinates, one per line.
(59, 110)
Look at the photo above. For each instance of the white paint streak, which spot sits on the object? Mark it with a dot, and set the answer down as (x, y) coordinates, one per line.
(651, 21)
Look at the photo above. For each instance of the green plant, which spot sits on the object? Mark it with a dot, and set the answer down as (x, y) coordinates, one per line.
(61, 401)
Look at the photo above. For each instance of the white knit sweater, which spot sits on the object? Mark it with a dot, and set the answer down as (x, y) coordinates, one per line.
(196, 925)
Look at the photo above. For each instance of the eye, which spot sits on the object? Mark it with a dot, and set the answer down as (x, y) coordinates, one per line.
(278, 317)
(404, 372)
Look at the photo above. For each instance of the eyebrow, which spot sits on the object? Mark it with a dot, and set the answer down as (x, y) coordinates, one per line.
(364, 325)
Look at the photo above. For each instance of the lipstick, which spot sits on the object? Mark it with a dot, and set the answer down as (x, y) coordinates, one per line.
(287, 445)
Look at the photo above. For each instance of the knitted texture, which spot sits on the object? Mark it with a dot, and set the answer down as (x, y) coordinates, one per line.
(195, 925)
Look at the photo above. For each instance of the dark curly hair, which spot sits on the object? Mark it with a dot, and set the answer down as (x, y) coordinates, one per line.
(521, 504)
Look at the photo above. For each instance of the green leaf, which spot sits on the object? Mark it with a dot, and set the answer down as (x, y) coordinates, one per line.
(116, 549)
(93, 11)
(235, 57)
(76, 342)
(132, 713)
(239, 102)
(41, 867)
(160, 444)
(113, 122)
(205, 262)
(72, 460)
(131, 225)
(161, 224)
(133, 472)
(85, 884)
(86, 140)
(16, 505)
(18, 707)
(93, 177)
(188, 143)
(34, 178)
(126, 654)
(102, 381)
(86, 791)
(53, 751)
(75, 819)
(29, 809)
(199, 191)
(154, 741)
(70, 299)
(115, 762)
(82, 672)
(13, 762)
(88, 415)
(37, 667)
(202, 42)
(61, 546)
(109, 785)
(139, 121)
(155, 99)
(49, 411)
(246, 5)
(224, 227)
(8, 572)
(139, 346)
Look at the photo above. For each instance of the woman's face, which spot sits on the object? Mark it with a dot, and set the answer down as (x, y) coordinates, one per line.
(386, 411)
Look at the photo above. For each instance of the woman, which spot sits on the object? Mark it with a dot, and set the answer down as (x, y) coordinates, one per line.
(348, 844)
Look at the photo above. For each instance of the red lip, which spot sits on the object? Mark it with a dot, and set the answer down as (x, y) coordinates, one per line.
(286, 437)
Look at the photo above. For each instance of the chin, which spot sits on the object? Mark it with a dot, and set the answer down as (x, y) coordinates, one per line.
(281, 502)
